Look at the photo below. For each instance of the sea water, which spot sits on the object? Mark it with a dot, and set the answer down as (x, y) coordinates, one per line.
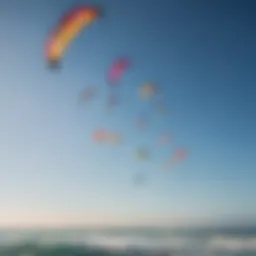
(129, 242)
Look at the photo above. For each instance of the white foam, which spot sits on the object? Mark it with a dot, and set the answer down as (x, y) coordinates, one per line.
(138, 242)
(233, 244)
(228, 244)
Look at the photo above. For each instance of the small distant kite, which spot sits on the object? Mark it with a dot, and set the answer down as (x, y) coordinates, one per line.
(100, 136)
(179, 156)
(165, 139)
(117, 70)
(139, 179)
(87, 95)
(103, 136)
(142, 154)
(147, 91)
(161, 109)
(68, 28)
(142, 122)
(114, 138)
(113, 101)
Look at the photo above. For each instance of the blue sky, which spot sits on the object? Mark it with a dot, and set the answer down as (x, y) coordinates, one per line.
(203, 55)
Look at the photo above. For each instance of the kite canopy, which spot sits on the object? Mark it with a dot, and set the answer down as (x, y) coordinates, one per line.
(117, 70)
(179, 155)
(67, 30)
(87, 95)
(114, 138)
(113, 101)
(147, 91)
(142, 122)
(100, 136)
(142, 154)
(139, 179)
(164, 139)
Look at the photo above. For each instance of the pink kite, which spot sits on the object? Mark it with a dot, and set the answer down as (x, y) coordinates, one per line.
(117, 70)
(178, 156)
(99, 136)
(165, 139)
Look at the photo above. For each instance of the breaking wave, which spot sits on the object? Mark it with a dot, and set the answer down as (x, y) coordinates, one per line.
(198, 244)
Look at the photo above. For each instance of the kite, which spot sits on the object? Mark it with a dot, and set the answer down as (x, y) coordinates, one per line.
(164, 139)
(142, 154)
(178, 156)
(100, 136)
(142, 122)
(67, 30)
(114, 138)
(139, 179)
(87, 95)
(147, 91)
(117, 70)
(113, 101)
(161, 109)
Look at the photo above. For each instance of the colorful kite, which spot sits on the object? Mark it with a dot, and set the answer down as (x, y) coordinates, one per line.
(68, 28)
(179, 156)
(117, 70)
(147, 91)
(87, 95)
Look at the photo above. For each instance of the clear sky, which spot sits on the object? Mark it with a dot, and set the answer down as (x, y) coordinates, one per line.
(203, 55)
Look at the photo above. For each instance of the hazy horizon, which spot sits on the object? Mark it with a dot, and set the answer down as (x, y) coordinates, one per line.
(77, 222)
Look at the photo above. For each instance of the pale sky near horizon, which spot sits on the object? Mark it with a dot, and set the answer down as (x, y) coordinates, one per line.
(203, 55)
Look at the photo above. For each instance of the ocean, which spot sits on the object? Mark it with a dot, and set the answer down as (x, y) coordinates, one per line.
(129, 242)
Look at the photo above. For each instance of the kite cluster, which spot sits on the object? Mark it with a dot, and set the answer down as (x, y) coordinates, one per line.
(68, 28)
